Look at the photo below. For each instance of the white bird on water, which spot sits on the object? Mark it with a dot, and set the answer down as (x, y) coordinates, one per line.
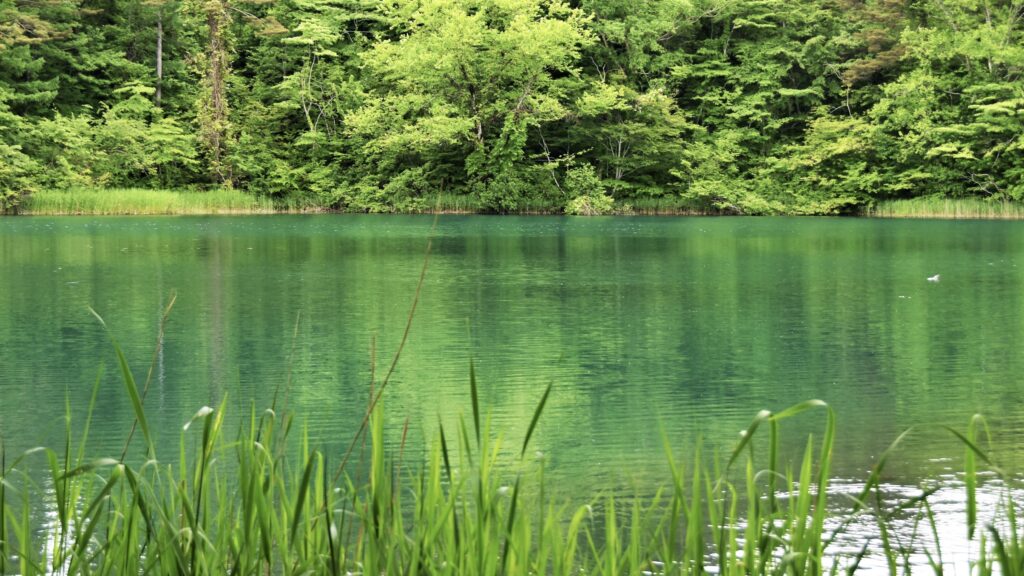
(933, 278)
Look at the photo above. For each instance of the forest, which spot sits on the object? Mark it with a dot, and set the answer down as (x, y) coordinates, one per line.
(722, 106)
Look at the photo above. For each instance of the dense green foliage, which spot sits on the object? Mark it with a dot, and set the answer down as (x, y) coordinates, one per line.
(743, 106)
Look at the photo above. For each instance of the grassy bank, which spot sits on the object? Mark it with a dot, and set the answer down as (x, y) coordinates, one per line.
(139, 201)
(660, 206)
(447, 203)
(950, 208)
(648, 206)
(132, 201)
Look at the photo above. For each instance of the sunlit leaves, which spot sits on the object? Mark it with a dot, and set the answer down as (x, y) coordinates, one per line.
(470, 74)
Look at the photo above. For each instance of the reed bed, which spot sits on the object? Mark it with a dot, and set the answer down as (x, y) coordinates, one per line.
(951, 208)
(137, 201)
(659, 206)
(448, 203)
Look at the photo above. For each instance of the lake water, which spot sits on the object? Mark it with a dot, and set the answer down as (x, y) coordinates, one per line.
(643, 325)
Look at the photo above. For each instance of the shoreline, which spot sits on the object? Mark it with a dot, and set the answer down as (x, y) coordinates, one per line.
(229, 202)
(679, 214)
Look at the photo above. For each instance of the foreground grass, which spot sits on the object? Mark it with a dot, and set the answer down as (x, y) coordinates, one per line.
(132, 201)
(254, 501)
(953, 208)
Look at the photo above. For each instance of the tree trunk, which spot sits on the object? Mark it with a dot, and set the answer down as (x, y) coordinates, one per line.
(213, 117)
(216, 80)
(159, 56)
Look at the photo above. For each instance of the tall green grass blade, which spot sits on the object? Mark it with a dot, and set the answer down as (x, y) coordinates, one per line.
(1002, 555)
(1015, 542)
(89, 411)
(444, 451)
(536, 418)
(131, 389)
(376, 394)
(140, 500)
(695, 525)
(857, 559)
(329, 530)
(512, 508)
(157, 350)
(935, 562)
(300, 499)
(91, 518)
(88, 467)
(773, 464)
(972, 447)
(799, 408)
(875, 477)
(475, 398)
(748, 434)
(467, 447)
(971, 479)
(824, 473)
(59, 490)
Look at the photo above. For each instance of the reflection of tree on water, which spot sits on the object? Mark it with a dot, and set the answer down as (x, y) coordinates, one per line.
(219, 362)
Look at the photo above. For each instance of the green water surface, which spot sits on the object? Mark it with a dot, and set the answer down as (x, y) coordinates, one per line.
(687, 325)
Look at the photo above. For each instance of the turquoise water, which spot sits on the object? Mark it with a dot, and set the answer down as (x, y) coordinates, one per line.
(643, 325)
